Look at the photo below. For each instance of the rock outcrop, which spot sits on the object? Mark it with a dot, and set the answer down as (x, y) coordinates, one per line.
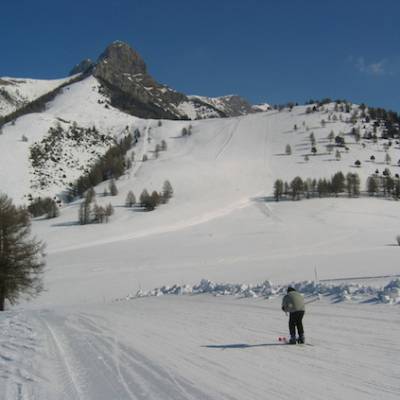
(83, 67)
(124, 76)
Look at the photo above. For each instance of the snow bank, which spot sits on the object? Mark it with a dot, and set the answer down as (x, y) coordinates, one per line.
(390, 294)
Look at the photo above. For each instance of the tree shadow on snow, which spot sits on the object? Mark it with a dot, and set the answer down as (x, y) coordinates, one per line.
(240, 345)
(68, 223)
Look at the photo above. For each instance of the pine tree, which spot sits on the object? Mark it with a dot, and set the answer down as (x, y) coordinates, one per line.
(155, 199)
(99, 213)
(167, 192)
(297, 187)
(396, 190)
(286, 188)
(314, 150)
(113, 188)
(130, 200)
(109, 210)
(372, 185)
(278, 189)
(45, 206)
(312, 139)
(389, 184)
(353, 184)
(144, 196)
(85, 211)
(288, 150)
(146, 201)
(338, 183)
(52, 210)
(21, 257)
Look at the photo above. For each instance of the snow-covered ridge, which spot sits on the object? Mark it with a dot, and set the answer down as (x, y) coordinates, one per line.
(229, 105)
(389, 294)
(16, 93)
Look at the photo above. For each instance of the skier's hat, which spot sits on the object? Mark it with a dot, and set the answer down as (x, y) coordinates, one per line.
(291, 289)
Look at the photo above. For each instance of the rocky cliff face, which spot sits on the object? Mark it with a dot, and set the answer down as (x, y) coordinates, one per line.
(120, 59)
(124, 76)
(83, 67)
(231, 105)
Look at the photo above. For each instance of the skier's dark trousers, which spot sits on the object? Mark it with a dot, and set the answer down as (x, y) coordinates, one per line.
(293, 303)
(296, 321)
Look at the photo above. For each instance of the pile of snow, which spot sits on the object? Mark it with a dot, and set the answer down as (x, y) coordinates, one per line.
(390, 294)
(264, 289)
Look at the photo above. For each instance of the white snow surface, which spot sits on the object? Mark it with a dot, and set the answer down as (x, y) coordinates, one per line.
(23, 91)
(199, 347)
(262, 107)
(339, 292)
(76, 341)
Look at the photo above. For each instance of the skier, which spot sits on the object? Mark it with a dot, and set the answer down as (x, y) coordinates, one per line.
(293, 303)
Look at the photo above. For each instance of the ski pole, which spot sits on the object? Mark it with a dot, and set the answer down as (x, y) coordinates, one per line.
(312, 301)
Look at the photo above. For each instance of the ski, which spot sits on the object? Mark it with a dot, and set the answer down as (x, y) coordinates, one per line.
(285, 340)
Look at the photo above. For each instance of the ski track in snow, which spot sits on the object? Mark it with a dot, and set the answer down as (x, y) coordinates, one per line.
(202, 347)
(230, 135)
(90, 362)
(64, 357)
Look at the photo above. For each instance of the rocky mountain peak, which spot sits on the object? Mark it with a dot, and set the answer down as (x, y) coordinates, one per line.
(124, 79)
(82, 67)
(120, 58)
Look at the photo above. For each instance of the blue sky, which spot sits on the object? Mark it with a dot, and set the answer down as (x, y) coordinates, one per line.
(273, 51)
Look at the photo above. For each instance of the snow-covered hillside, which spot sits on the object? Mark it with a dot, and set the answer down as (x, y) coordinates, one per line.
(246, 153)
(16, 92)
(81, 103)
(78, 340)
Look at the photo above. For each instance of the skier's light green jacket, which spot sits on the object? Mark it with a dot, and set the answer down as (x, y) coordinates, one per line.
(292, 302)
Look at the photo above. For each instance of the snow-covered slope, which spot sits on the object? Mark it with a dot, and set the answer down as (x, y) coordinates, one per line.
(77, 342)
(221, 174)
(16, 92)
(244, 154)
(199, 348)
(81, 103)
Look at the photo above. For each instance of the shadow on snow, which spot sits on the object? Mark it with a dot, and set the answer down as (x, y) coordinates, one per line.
(240, 345)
